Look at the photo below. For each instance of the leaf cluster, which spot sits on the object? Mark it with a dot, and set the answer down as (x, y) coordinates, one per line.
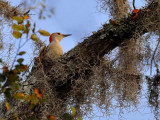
(10, 78)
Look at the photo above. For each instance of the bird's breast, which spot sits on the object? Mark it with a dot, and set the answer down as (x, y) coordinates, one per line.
(54, 50)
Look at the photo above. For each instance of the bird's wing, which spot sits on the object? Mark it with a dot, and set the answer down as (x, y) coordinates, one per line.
(42, 52)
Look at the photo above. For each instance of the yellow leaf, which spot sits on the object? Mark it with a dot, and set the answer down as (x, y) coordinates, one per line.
(79, 118)
(16, 116)
(7, 105)
(73, 111)
(17, 27)
(17, 34)
(18, 19)
(44, 33)
(34, 37)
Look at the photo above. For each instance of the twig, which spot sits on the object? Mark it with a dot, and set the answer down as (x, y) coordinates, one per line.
(19, 47)
(24, 43)
(134, 4)
(16, 53)
(154, 54)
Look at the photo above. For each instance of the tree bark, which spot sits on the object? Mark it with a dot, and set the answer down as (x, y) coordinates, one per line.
(92, 49)
(58, 78)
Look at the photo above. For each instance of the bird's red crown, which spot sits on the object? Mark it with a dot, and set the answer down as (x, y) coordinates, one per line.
(50, 38)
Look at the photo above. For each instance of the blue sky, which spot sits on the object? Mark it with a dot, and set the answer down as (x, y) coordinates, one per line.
(80, 18)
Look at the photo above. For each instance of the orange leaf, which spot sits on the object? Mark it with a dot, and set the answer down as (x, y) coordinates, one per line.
(135, 13)
(51, 117)
(26, 17)
(19, 95)
(38, 93)
(25, 67)
(7, 105)
(135, 10)
(113, 22)
(5, 69)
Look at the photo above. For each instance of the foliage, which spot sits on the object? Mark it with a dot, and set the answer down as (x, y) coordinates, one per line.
(11, 77)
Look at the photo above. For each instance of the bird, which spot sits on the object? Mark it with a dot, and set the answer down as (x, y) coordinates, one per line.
(54, 49)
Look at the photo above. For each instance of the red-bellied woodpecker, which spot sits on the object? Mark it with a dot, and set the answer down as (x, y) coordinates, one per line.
(54, 49)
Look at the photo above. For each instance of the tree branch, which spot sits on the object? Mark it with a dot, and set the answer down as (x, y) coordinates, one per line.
(57, 78)
(79, 61)
(111, 36)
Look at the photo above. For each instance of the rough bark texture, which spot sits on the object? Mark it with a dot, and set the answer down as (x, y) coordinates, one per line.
(92, 49)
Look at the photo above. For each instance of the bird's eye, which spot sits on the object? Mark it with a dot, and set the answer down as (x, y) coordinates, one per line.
(58, 33)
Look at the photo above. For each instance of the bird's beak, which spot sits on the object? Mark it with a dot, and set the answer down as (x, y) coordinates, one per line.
(65, 35)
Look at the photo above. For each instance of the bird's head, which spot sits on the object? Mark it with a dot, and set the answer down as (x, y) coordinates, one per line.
(57, 36)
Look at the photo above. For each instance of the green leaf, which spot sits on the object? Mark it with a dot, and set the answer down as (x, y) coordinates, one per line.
(7, 93)
(67, 116)
(33, 100)
(15, 86)
(20, 60)
(21, 67)
(22, 53)
(0, 60)
(2, 77)
(12, 78)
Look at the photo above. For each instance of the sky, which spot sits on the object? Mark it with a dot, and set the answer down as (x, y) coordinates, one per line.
(80, 18)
